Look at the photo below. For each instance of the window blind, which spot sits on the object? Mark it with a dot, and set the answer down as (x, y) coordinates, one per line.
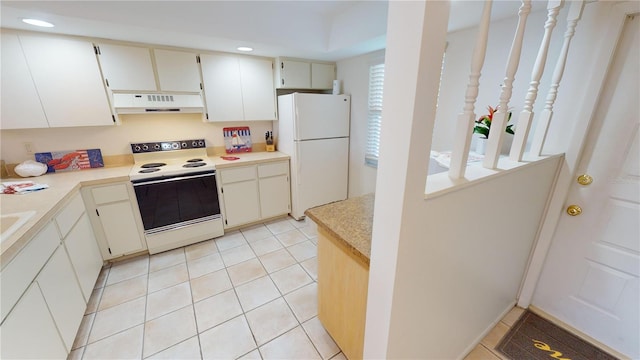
(374, 116)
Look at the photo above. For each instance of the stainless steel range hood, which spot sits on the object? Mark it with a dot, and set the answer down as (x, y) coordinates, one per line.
(141, 103)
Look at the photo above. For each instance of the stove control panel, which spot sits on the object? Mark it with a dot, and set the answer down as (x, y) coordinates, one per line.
(138, 148)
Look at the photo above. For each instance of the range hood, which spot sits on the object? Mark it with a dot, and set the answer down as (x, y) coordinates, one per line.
(150, 103)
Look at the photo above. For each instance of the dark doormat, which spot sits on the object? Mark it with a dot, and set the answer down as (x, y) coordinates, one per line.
(535, 338)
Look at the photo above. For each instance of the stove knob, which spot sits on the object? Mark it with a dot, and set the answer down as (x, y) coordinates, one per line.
(201, 143)
(156, 147)
(136, 148)
(194, 144)
(185, 145)
(145, 147)
(175, 146)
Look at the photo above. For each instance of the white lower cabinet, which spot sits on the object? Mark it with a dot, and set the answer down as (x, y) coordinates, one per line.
(62, 295)
(80, 242)
(85, 255)
(254, 192)
(115, 218)
(240, 199)
(29, 331)
(275, 190)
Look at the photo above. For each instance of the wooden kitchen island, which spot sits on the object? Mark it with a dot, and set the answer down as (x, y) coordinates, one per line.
(344, 249)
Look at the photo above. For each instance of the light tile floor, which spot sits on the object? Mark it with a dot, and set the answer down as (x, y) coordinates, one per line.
(251, 294)
(486, 349)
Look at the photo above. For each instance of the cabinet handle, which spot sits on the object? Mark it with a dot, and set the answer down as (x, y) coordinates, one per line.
(97, 213)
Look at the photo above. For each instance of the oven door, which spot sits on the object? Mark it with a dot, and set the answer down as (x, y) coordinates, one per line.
(168, 203)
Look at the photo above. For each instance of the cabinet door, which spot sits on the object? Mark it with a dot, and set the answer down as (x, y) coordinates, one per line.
(258, 94)
(120, 228)
(66, 74)
(85, 255)
(322, 76)
(177, 70)
(29, 331)
(295, 75)
(241, 203)
(20, 272)
(127, 67)
(21, 107)
(222, 87)
(63, 296)
(274, 196)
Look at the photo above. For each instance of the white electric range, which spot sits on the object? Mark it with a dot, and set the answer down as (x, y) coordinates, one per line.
(175, 186)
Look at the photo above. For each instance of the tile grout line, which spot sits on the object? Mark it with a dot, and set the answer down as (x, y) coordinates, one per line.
(233, 287)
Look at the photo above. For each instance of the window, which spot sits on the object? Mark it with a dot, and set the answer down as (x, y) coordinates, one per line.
(374, 116)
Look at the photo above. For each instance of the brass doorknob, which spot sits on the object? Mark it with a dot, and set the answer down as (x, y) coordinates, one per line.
(585, 179)
(574, 210)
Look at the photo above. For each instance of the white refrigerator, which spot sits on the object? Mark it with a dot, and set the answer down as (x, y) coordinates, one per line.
(313, 129)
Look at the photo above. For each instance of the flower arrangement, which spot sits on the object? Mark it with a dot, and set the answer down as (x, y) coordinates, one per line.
(483, 124)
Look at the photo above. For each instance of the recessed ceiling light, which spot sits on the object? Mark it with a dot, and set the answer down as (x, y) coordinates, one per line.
(244, 48)
(37, 22)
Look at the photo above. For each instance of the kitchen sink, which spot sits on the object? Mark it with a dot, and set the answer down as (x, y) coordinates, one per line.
(9, 223)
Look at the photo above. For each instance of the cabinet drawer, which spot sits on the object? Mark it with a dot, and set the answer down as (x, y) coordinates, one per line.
(17, 275)
(112, 193)
(273, 169)
(240, 174)
(69, 215)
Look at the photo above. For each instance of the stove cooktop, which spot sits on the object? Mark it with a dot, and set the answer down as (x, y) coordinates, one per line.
(169, 158)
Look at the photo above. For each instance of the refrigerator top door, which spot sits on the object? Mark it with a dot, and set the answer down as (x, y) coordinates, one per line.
(320, 116)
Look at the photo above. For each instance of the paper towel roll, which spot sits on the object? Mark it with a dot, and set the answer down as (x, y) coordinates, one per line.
(337, 87)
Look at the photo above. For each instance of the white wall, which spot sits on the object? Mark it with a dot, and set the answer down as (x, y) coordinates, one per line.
(354, 73)
(115, 140)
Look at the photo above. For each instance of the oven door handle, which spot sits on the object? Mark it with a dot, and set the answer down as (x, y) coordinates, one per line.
(172, 179)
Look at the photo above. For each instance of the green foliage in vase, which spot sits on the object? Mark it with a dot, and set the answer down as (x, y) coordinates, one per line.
(483, 124)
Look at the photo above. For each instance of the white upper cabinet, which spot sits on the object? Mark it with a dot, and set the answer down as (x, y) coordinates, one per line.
(258, 94)
(177, 70)
(127, 67)
(322, 75)
(304, 74)
(294, 75)
(21, 107)
(65, 76)
(131, 68)
(238, 87)
(222, 87)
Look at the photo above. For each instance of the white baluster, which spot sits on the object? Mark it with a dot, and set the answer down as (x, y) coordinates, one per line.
(526, 116)
(500, 118)
(466, 119)
(575, 12)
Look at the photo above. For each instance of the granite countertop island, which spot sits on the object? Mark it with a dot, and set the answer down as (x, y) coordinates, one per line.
(344, 248)
(349, 221)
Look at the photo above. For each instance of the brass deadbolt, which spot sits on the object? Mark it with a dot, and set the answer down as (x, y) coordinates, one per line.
(585, 179)
(574, 210)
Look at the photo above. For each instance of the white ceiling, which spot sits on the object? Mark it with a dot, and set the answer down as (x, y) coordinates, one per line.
(322, 30)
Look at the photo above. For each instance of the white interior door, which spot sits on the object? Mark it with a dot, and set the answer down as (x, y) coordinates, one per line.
(590, 277)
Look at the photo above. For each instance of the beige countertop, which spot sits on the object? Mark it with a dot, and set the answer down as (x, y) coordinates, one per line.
(248, 158)
(62, 186)
(46, 203)
(349, 221)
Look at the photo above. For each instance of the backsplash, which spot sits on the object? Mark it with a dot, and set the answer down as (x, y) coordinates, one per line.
(115, 140)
